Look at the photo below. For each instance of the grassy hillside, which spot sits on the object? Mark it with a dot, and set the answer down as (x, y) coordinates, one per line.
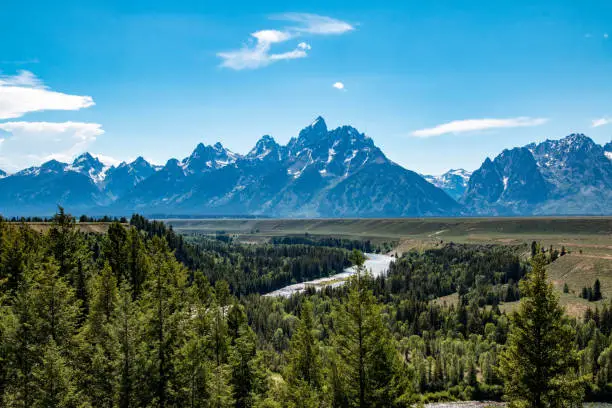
(468, 228)
(588, 241)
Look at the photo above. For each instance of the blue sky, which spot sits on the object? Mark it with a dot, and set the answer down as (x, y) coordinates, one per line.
(436, 84)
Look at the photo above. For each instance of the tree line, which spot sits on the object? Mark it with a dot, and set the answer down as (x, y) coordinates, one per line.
(138, 317)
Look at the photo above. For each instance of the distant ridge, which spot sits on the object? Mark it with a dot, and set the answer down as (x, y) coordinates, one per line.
(319, 173)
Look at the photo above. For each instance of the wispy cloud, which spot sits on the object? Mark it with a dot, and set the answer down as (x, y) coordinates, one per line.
(338, 85)
(471, 125)
(27, 143)
(258, 53)
(24, 93)
(601, 122)
(314, 23)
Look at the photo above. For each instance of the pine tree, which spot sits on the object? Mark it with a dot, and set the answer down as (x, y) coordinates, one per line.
(7, 334)
(54, 384)
(63, 241)
(367, 355)
(193, 367)
(304, 366)
(236, 318)
(126, 324)
(219, 389)
(244, 377)
(116, 250)
(540, 361)
(597, 290)
(100, 346)
(46, 315)
(164, 310)
(20, 337)
(56, 306)
(137, 261)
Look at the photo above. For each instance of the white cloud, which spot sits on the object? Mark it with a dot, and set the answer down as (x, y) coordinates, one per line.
(258, 55)
(470, 125)
(107, 160)
(24, 93)
(600, 122)
(304, 46)
(258, 52)
(315, 24)
(338, 85)
(271, 36)
(27, 143)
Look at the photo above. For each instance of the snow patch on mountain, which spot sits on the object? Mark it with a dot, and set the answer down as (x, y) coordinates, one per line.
(454, 182)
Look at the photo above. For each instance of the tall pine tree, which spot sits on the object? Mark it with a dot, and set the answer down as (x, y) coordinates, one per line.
(368, 358)
(540, 362)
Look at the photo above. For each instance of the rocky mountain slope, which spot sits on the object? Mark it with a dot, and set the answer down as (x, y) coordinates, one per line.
(572, 175)
(319, 173)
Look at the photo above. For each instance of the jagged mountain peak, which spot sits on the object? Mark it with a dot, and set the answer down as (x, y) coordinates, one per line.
(338, 152)
(569, 143)
(313, 133)
(2, 173)
(124, 177)
(140, 161)
(53, 164)
(206, 157)
(319, 122)
(85, 158)
(264, 147)
(516, 153)
(90, 166)
(174, 167)
(577, 138)
(172, 163)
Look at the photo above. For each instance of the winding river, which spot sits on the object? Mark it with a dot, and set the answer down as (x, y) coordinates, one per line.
(376, 264)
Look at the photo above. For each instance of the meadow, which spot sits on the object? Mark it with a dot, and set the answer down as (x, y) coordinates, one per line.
(587, 241)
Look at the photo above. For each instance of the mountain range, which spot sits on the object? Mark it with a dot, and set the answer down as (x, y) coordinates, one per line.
(568, 176)
(320, 173)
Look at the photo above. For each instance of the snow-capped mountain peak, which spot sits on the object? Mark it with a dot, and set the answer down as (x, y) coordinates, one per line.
(266, 147)
(338, 152)
(454, 182)
(90, 166)
(205, 158)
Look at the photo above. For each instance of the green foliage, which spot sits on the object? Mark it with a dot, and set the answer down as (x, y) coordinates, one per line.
(367, 358)
(540, 362)
(142, 316)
